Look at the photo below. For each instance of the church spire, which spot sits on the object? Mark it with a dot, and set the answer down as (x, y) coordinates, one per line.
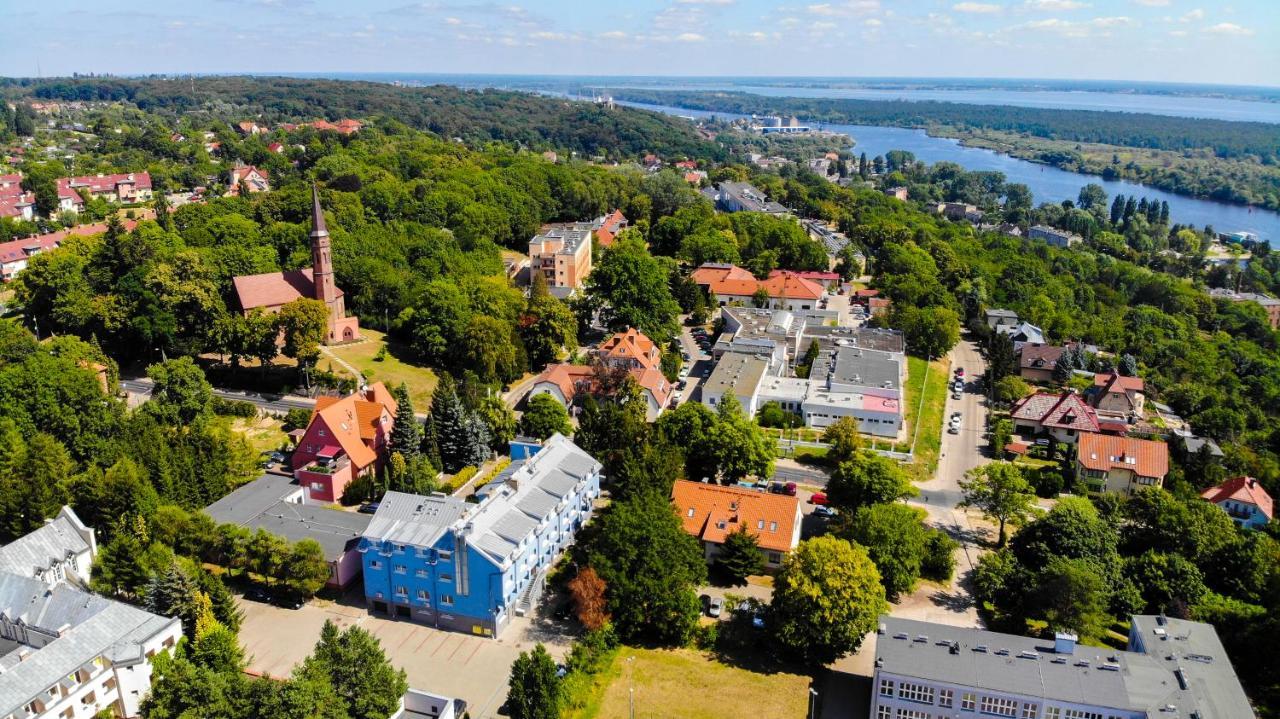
(322, 263)
(317, 214)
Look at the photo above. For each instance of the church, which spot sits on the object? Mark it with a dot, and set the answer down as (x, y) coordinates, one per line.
(273, 290)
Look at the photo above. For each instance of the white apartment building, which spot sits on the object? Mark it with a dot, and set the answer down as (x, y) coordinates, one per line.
(1172, 669)
(62, 550)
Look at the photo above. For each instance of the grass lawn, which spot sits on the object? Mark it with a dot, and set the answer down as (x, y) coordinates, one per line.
(688, 684)
(391, 370)
(929, 440)
(264, 433)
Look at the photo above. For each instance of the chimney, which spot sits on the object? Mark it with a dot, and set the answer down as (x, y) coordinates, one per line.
(1064, 643)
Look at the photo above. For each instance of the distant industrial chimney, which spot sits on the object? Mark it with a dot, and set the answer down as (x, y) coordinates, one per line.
(1064, 643)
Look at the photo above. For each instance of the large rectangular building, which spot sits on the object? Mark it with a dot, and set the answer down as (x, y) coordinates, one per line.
(563, 255)
(469, 567)
(1171, 669)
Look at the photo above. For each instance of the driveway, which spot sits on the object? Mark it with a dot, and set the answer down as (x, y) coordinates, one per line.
(459, 665)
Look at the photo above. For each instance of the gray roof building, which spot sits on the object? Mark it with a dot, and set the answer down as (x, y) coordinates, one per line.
(274, 503)
(1172, 668)
(745, 197)
(853, 367)
(62, 548)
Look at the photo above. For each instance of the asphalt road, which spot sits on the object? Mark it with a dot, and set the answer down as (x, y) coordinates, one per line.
(272, 403)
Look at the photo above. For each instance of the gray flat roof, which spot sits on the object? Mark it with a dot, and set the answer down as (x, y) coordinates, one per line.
(249, 500)
(736, 371)
(864, 368)
(1096, 676)
(260, 504)
(872, 338)
(414, 519)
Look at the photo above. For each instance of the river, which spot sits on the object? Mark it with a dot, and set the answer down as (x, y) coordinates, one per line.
(1047, 183)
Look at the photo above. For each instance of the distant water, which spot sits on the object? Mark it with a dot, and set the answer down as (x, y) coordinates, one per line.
(1048, 184)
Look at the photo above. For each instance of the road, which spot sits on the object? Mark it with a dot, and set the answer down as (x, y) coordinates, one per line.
(699, 364)
(277, 404)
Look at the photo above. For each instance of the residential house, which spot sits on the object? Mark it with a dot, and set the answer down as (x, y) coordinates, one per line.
(879, 306)
(271, 291)
(249, 127)
(1022, 333)
(1054, 236)
(630, 350)
(276, 147)
(15, 254)
(1269, 304)
(345, 439)
(732, 284)
(959, 211)
(562, 254)
(1244, 500)
(470, 567)
(1115, 395)
(122, 188)
(566, 382)
(997, 318)
(342, 127)
(14, 202)
(1037, 362)
(828, 280)
(277, 504)
(1120, 464)
(712, 512)
(1065, 417)
(62, 550)
(1172, 668)
(745, 197)
(900, 193)
(66, 652)
(687, 165)
(1192, 445)
(831, 238)
(255, 178)
(608, 227)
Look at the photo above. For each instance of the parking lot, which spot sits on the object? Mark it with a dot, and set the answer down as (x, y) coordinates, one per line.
(471, 668)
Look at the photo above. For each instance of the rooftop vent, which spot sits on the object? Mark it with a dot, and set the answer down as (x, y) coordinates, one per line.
(1064, 643)
(1028, 654)
(922, 638)
(1082, 662)
(1002, 652)
(1108, 666)
(981, 648)
(901, 635)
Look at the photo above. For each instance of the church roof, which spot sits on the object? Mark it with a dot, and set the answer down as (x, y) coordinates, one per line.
(274, 289)
(317, 214)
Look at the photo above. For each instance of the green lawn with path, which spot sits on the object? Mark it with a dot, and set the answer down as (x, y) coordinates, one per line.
(928, 416)
(392, 369)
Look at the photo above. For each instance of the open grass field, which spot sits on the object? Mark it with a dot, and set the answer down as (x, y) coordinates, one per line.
(263, 433)
(392, 369)
(928, 417)
(688, 684)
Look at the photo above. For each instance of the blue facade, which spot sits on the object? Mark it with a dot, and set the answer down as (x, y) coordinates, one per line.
(470, 567)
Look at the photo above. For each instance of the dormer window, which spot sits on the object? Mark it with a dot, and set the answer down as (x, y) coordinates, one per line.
(690, 514)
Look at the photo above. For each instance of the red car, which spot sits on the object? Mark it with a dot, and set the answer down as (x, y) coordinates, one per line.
(818, 498)
(959, 371)
(790, 489)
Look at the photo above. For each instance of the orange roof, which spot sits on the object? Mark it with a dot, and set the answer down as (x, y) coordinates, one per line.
(1118, 383)
(1241, 489)
(731, 280)
(567, 377)
(716, 272)
(1105, 452)
(274, 289)
(652, 379)
(353, 420)
(631, 345)
(610, 228)
(711, 512)
(791, 286)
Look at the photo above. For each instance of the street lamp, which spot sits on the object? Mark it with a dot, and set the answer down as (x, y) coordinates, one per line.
(813, 694)
(631, 688)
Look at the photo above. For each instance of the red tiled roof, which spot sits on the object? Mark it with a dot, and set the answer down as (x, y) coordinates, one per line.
(16, 249)
(1242, 489)
(572, 378)
(273, 289)
(1102, 453)
(610, 228)
(353, 421)
(712, 512)
(733, 281)
(710, 273)
(100, 184)
(12, 205)
(1118, 383)
(810, 275)
(631, 345)
(1063, 411)
(1043, 357)
(687, 164)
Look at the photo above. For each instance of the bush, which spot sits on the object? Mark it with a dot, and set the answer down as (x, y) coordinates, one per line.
(939, 560)
(381, 354)
(297, 418)
(235, 408)
(706, 636)
(463, 476)
(1048, 481)
(772, 414)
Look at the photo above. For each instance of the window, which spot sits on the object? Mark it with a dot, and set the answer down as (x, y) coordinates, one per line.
(446, 600)
(773, 526)
(318, 486)
(446, 577)
(401, 569)
(912, 714)
(884, 712)
(775, 558)
(690, 513)
(886, 688)
(1080, 714)
(445, 555)
(968, 701)
(1030, 711)
(999, 706)
(915, 693)
(1052, 712)
(944, 698)
(423, 596)
(760, 524)
(402, 592)
(420, 573)
(375, 564)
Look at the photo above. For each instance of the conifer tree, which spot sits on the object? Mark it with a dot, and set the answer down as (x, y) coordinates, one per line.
(406, 435)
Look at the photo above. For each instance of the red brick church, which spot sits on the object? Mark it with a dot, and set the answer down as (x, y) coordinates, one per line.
(273, 290)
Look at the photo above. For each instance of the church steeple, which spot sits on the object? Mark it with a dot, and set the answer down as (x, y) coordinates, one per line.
(322, 264)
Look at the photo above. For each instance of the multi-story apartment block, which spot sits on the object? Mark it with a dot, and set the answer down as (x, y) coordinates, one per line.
(1054, 236)
(468, 567)
(1172, 669)
(64, 652)
(563, 255)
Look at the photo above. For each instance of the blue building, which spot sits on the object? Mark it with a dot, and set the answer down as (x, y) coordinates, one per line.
(469, 566)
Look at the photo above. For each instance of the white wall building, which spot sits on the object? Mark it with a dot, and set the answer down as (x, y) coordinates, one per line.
(62, 550)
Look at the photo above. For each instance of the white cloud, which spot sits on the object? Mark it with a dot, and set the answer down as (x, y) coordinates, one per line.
(1152, 3)
(823, 25)
(1099, 26)
(1054, 5)
(452, 21)
(872, 22)
(845, 9)
(689, 37)
(1178, 33)
(1228, 28)
(614, 35)
(1192, 16)
(546, 35)
(979, 8)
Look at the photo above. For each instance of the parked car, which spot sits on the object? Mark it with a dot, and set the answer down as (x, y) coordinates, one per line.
(789, 489)
(818, 498)
(823, 511)
(777, 488)
(959, 371)
(716, 607)
(370, 508)
(955, 416)
(288, 601)
(705, 599)
(953, 429)
(258, 594)
(955, 394)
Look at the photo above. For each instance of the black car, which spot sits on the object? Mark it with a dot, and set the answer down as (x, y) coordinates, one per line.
(370, 508)
(288, 601)
(258, 594)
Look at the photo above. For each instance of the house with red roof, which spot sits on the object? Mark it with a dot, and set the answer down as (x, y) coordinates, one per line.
(567, 382)
(1108, 463)
(122, 187)
(276, 148)
(1244, 500)
(249, 127)
(631, 349)
(15, 253)
(732, 284)
(1115, 395)
(255, 178)
(1064, 417)
(828, 280)
(711, 512)
(346, 438)
(344, 126)
(687, 164)
(608, 227)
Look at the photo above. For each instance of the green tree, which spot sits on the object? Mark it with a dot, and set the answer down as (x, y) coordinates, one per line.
(1001, 435)
(826, 597)
(895, 538)
(534, 690)
(737, 444)
(1010, 389)
(304, 323)
(172, 593)
(1168, 583)
(866, 479)
(651, 567)
(928, 331)
(498, 418)
(739, 556)
(406, 433)
(461, 436)
(632, 285)
(306, 568)
(844, 439)
(359, 671)
(547, 326)
(1000, 492)
(1001, 360)
(544, 416)
(181, 394)
(1072, 596)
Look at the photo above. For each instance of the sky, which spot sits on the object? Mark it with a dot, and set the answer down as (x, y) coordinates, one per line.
(1233, 42)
